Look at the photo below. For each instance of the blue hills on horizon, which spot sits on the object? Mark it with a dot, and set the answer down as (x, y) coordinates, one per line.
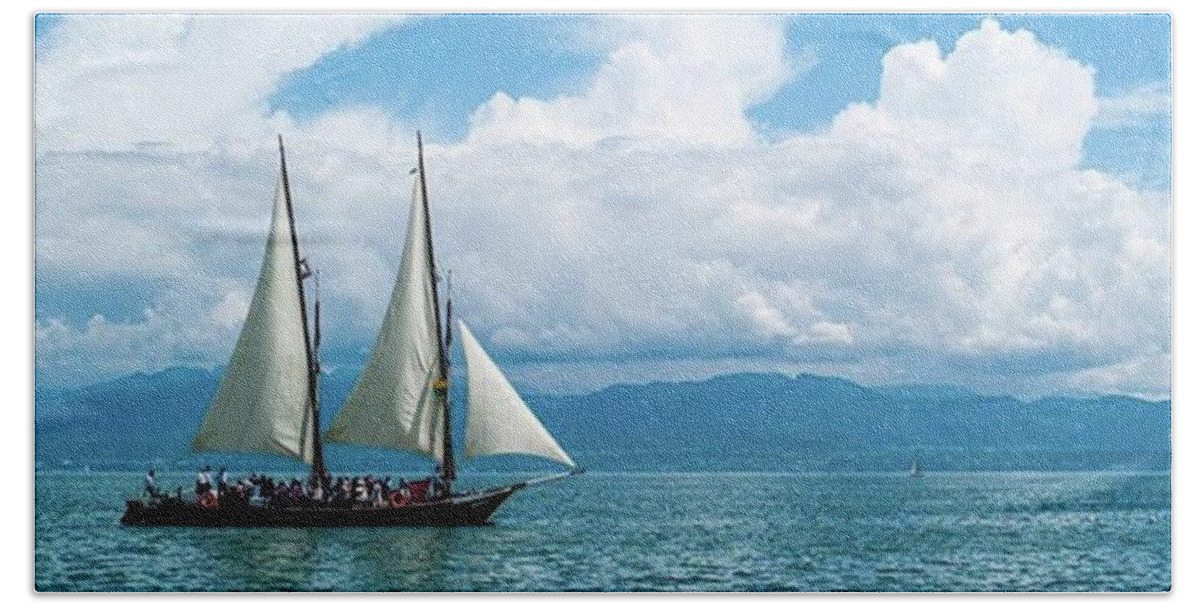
(738, 422)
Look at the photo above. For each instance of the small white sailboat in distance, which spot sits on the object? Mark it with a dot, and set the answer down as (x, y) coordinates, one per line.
(915, 470)
(268, 400)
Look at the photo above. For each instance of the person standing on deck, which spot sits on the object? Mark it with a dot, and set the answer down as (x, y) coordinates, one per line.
(204, 481)
(377, 493)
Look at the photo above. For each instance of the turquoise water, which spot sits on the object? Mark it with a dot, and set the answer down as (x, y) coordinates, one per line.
(656, 532)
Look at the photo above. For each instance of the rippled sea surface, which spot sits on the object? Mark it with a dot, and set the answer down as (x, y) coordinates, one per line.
(656, 532)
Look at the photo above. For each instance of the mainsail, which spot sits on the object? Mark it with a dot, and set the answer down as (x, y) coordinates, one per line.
(498, 420)
(394, 405)
(401, 399)
(263, 404)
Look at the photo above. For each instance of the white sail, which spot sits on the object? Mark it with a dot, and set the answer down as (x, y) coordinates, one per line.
(394, 404)
(263, 402)
(498, 420)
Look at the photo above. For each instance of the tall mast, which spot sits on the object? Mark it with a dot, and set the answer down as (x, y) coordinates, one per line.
(318, 473)
(318, 468)
(441, 384)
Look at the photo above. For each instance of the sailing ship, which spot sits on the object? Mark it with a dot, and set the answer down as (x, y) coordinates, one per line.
(915, 469)
(268, 400)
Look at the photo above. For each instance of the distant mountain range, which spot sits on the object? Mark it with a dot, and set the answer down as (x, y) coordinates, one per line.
(733, 422)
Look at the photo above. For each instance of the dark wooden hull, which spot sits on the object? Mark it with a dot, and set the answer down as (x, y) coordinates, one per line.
(473, 509)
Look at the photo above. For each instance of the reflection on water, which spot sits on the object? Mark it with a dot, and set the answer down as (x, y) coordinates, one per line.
(402, 559)
(627, 532)
(258, 558)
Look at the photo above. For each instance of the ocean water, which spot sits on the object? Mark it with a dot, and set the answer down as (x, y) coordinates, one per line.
(655, 532)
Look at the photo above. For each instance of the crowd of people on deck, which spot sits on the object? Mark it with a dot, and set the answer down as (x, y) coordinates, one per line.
(262, 490)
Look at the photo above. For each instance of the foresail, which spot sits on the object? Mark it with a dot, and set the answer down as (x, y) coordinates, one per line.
(498, 420)
(394, 404)
(262, 404)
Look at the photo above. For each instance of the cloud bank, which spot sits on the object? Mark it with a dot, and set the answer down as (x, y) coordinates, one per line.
(642, 228)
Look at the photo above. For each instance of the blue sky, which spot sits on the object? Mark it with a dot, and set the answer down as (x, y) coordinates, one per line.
(627, 198)
(443, 69)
